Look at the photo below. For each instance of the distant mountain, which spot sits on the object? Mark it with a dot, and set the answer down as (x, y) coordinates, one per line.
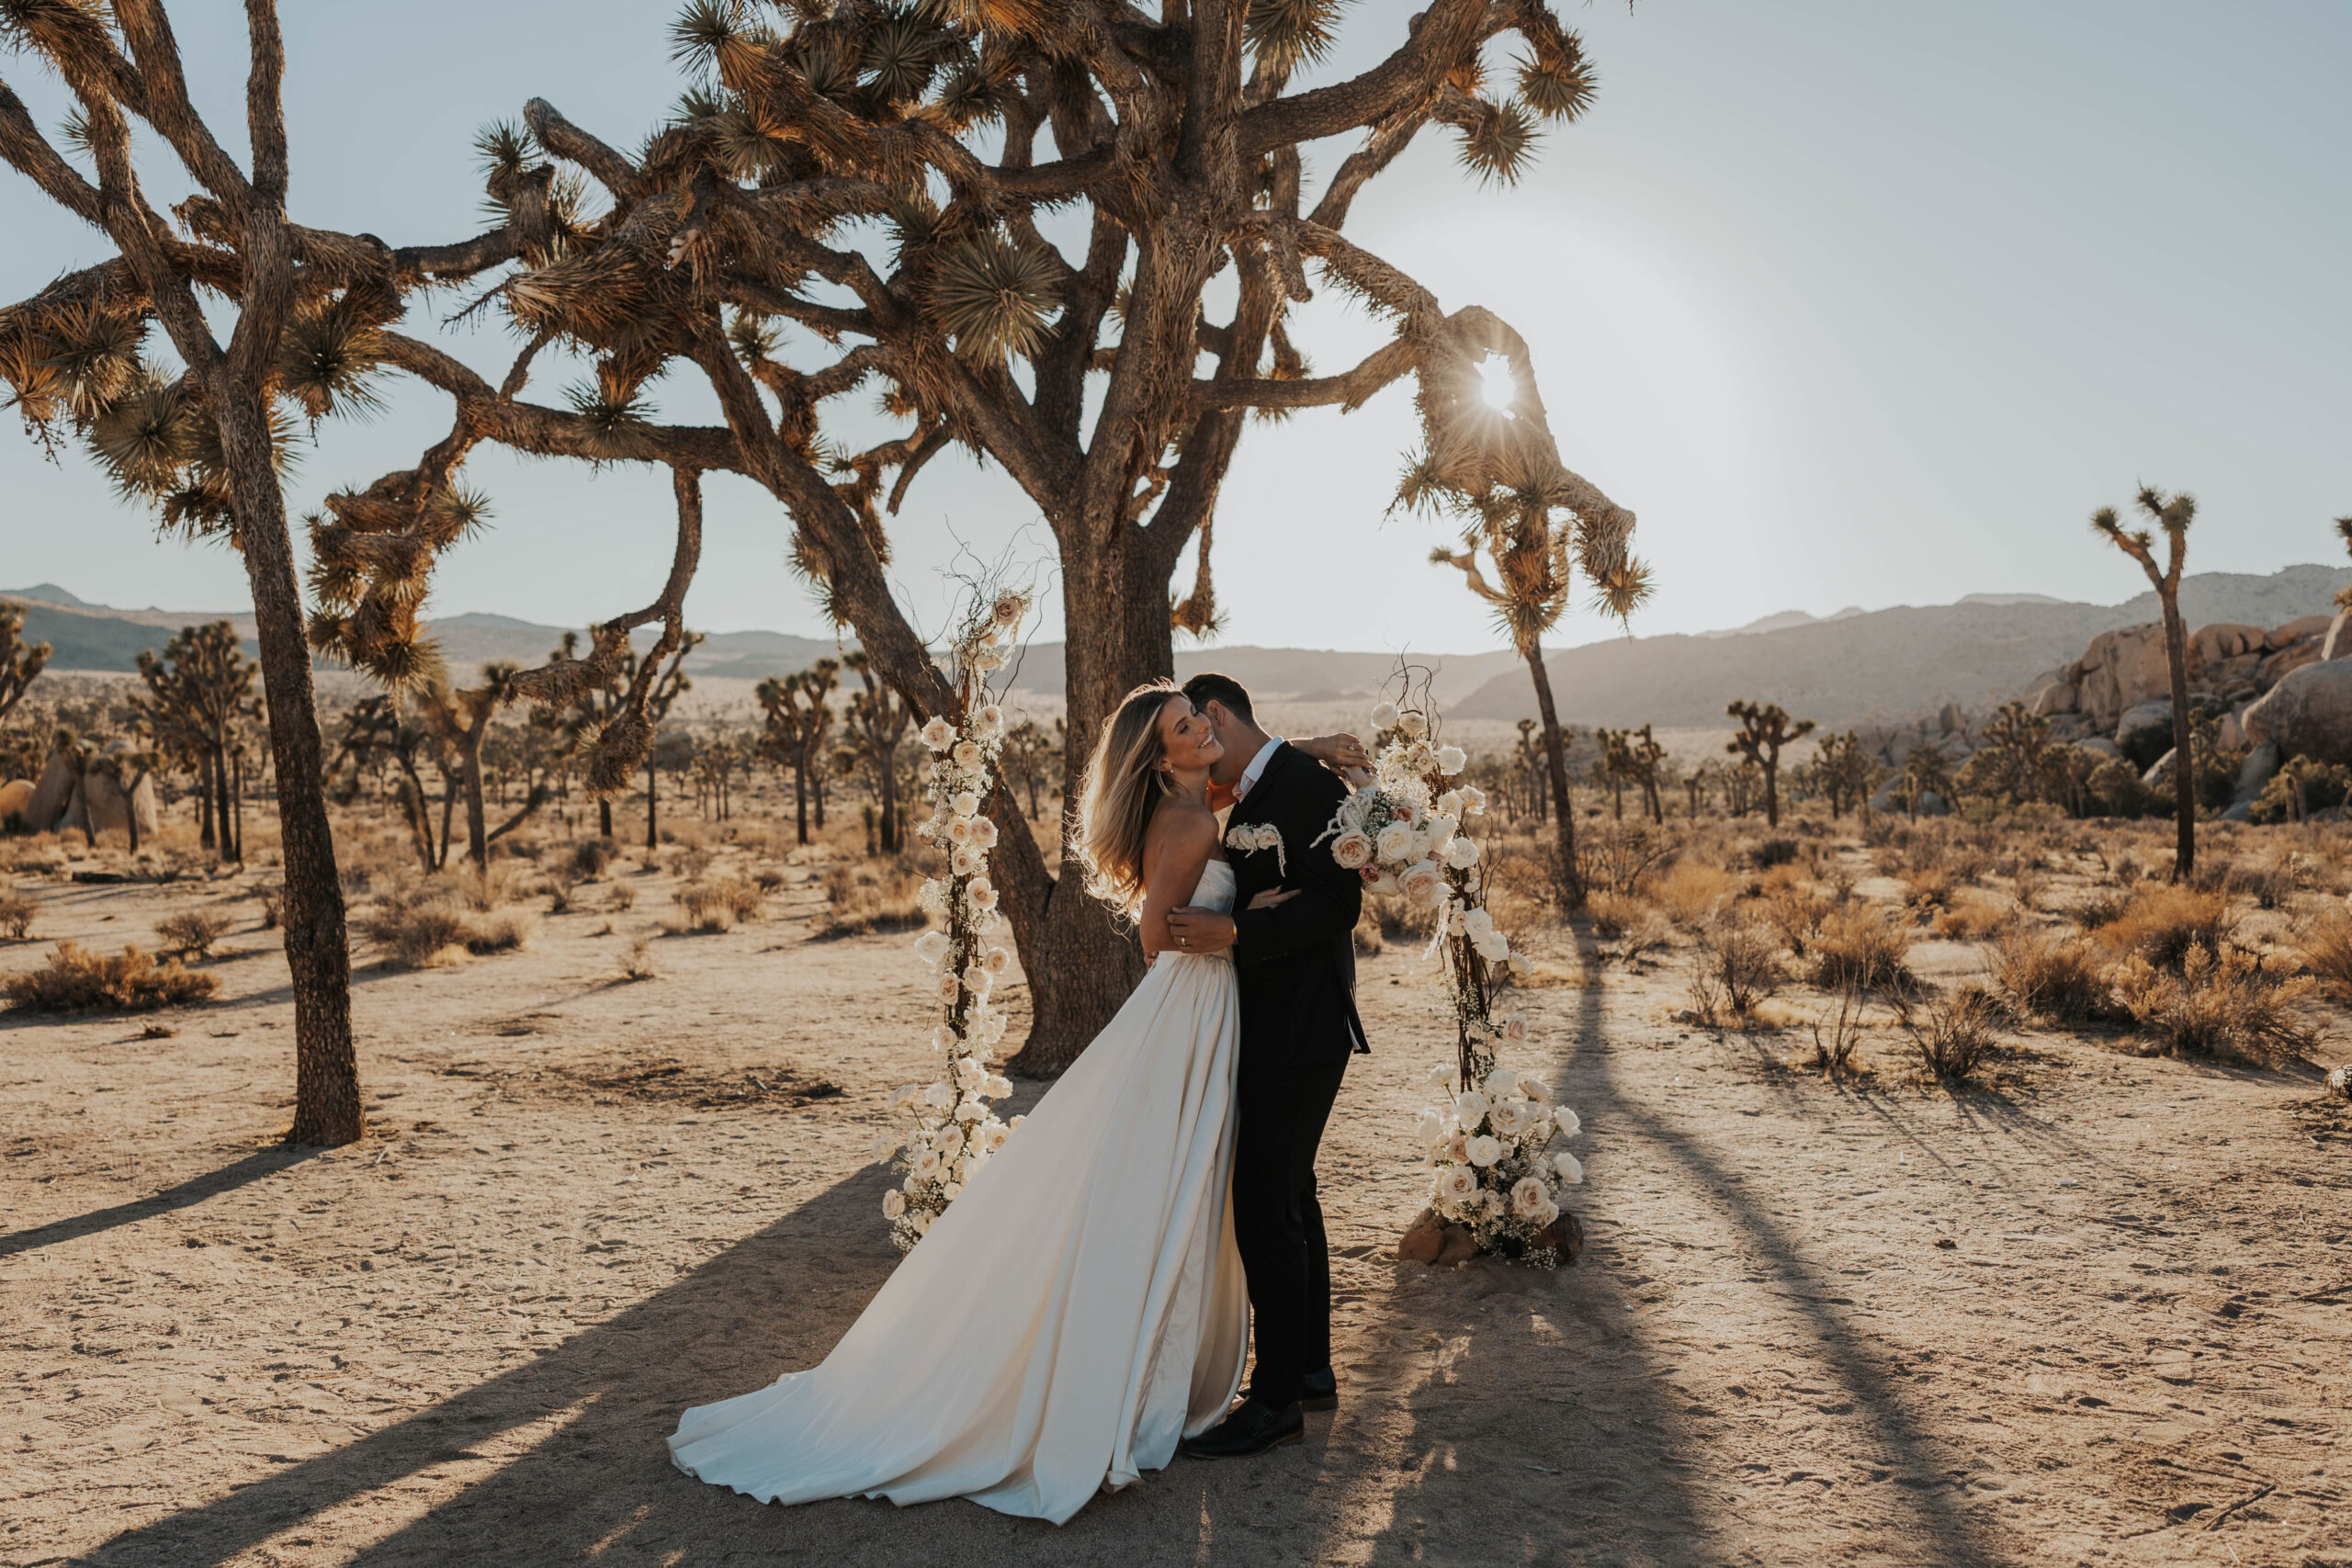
(1786, 619)
(1887, 662)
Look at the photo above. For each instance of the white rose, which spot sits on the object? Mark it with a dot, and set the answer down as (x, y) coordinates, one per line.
(1397, 841)
(965, 803)
(1462, 853)
(1449, 805)
(938, 735)
(1501, 1082)
(1451, 760)
(939, 1095)
(1457, 1148)
(881, 1147)
(947, 988)
(1473, 800)
(1571, 1168)
(982, 893)
(966, 860)
(999, 1086)
(959, 831)
(1510, 1117)
(953, 1191)
(970, 1111)
(1494, 949)
(1352, 849)
(1515, 1026)
(1536, 1090)
(1412, 724)
(923, 1222)
(967, 754)
(950, 1139)
(1478, 923)
(993, 1030)
(1544, 1216)
(1470, 1106)
(926, 1164)
(978, 980)
(1457, 1185)
(894, 1204)
(1520, 966)
(1568, 1121)
(998, 961)
(1423, 884)
(1440, 1075)
(932, 946)
(988, 720)
(1485, 1149)
(1432, 1127)
(1383, 717)
(997, 1135)
(1539, 1132)
(1528, 1196)
(983, 832)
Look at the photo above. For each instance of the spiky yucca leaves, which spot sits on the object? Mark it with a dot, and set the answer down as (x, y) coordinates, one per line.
(993, 296)
(721, 38)
(1286, 34)
(326, 360)
(618, 414)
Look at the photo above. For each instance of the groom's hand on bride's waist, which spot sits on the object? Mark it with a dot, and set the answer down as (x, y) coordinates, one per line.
(1195, 930)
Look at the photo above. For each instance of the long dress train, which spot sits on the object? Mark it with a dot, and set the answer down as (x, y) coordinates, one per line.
(1077, 1311)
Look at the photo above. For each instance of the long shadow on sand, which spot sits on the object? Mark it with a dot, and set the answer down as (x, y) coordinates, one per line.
(187, 1194)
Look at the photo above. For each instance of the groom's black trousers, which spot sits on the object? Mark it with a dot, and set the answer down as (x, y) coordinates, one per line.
(1277, 1223)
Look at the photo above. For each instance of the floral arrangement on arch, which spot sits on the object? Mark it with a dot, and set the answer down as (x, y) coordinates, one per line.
(1488, 1141)
(949, 1129)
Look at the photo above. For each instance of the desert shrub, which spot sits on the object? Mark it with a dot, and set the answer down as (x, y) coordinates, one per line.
(1616, 857)
(1690, 891)
(432, 929)
(1793, 908)
(1930, 887)
(2326, 947)
(1520, 887)
(588, 857)
(1956, 1035)
(2030, 884)
(1773, 852)
(717, 905)
(2224, 1003)
(688, 864)
(2162, 922)
(2300, 788)
(768, 880)
(77, 981)
(1858, 946)
(192, 932)
(1739, 965)
(2047, 975)
(273, 907)
(562, 891)
(874, 895)
(2270, 882)
(637, 963)
(1977, 917)
(621, 898)
(17, 912)
(1835, 1055)
(1613, 913)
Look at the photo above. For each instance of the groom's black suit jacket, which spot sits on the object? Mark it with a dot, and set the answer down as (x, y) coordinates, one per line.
(1296, 962)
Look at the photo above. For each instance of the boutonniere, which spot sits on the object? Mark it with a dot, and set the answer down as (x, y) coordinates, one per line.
(1253, 836)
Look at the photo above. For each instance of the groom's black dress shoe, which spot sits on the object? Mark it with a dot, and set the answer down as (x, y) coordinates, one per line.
(1320, 1391)
(1251, 1428)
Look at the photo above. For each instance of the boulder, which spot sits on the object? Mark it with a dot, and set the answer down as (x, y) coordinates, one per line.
(51, 795)
(2287, 660)
(2338, 641)
(1562, 1234)
(1948, 720)
(109, 811)
(1460, 1246)
(2102, 745)
(2299, 629)
(2227, 735)
(2055, 700)
(2145, 716)
(2208, 646)
(2121, 668)
(2160, 770)
(15, 799)
(2308, 713)
(2261, 762)
(1422, 1240)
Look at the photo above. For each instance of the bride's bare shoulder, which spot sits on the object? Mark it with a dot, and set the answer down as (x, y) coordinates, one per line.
(1182, 824)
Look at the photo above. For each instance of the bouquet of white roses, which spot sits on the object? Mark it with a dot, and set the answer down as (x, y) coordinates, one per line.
(949, 1130)
(1488, 1141)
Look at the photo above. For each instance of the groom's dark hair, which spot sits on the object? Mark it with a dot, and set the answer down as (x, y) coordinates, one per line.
(1210, 687)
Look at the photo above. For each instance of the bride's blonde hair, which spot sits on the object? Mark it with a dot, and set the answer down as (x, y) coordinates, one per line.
(1123, 787)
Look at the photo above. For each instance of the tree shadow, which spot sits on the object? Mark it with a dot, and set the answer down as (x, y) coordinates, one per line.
(187, 1194)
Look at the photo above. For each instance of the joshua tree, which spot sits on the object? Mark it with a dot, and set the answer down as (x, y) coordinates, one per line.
(667, 683)
(375, 729)
(1926, 771)
(1026, 757)
(199, 695)
(462, 720)
(877, 722)
(1532, 761)
(1763, 731)
(869, 177)
(799, 721)
(20, 662)
(1699, 780)
(2173, 514)
(128, 767)
(1644, 756)
(1847, 773)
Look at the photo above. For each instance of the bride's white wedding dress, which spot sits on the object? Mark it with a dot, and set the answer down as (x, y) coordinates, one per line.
(1077, 1311)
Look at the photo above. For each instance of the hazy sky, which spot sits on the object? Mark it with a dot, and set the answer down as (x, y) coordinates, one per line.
(1851, 302)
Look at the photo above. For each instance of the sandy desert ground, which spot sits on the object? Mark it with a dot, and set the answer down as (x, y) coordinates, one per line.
(2093, 1313)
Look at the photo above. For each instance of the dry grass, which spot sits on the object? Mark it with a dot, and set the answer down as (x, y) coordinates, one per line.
(874, 895)
(2229, 1003)
(587, 858)
(17, 912)
(716, 906)
(1835, 1055)
(1793, 908)
(2162, 922)
(436, 929)
(1690, 892)
(621, 899)
(637, 963)
(1956, 1035)
(77, 981)
(2047, 975)
(2326, 947)
(1739, 965)
(192, 932)
(1859, 946)
(1977, 916)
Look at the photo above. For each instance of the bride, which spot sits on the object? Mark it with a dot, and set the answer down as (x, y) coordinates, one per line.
(1079, 1309)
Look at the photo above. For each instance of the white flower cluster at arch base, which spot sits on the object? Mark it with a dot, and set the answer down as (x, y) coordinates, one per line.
(1490, 1140)
(950, 1128)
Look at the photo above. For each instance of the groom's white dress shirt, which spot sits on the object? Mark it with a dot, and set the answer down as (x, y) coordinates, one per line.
(1257, 765)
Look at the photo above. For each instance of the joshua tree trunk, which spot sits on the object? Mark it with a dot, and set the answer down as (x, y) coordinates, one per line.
(1556, 753)
(225, 831)
(2184, 792)
(604, 818)
(204, 800)
(652, 806)
(801, 796)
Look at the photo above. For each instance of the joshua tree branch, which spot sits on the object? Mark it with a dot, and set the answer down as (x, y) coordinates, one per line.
(1350, 389)
(22, 144)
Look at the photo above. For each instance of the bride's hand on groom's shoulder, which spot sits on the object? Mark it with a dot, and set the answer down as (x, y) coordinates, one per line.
(1341, 753)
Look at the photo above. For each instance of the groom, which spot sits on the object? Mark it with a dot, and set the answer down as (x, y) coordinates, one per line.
(1295, 963)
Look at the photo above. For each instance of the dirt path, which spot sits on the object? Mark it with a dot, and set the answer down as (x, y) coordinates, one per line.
(2095, 1315)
